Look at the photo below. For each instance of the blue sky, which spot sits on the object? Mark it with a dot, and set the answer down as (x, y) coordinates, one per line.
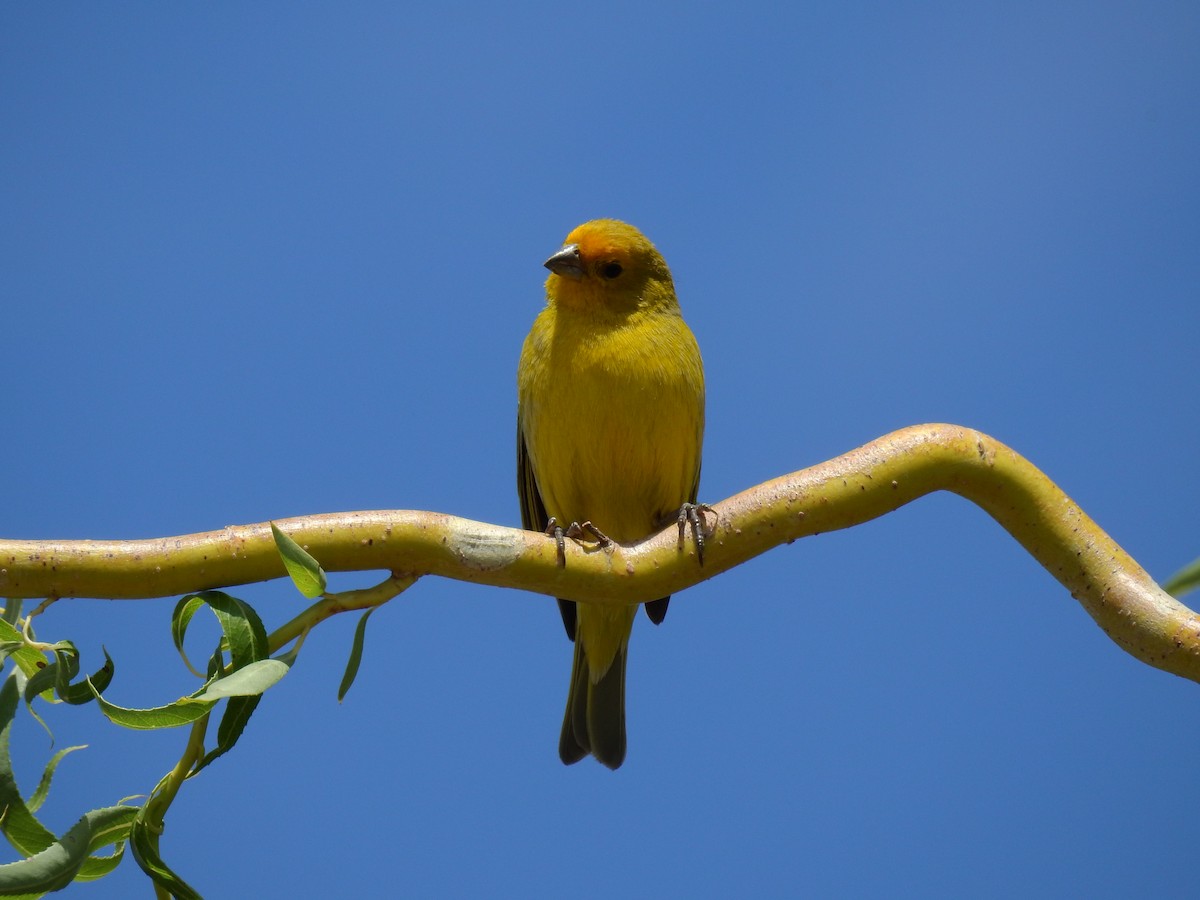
(263, 261)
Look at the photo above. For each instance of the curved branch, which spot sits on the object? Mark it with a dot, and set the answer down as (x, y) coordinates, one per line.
(857, 487)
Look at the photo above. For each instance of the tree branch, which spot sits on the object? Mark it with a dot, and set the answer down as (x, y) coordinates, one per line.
(857, 487)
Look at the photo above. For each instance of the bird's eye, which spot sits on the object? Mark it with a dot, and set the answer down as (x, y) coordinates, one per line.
(611, 270)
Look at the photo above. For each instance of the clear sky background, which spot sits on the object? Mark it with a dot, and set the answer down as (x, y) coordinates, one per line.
(266, 260)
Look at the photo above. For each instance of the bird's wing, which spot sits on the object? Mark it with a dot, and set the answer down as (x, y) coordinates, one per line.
(534, 516)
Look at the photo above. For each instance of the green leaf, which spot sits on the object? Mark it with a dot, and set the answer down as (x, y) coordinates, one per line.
(98, 866)
(243, 630)
(356, 651)
(20, 826)
(183, 711)
(81, 692)
(39, 796)
(249, 680)
(24, 831)
(27, 659)
(1186, 579)
(241, 705)
(216, 665)
(246, 639)
(52, 863)
(305, 571)
(144, 842)
(180, 618)
(56, 867)
(12, 610)
(7, 648)
(237, 713)
(58, 674)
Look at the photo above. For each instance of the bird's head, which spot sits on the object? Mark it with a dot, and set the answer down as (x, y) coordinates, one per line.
(611, 264)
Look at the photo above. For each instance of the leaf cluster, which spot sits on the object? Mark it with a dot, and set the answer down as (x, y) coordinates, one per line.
(243, 665)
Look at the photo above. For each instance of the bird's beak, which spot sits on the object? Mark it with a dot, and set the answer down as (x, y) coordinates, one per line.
(566, 262)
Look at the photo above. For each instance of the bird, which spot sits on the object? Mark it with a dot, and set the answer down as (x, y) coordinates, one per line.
(610, 426)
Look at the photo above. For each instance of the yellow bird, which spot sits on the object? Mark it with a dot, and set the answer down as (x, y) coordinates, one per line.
(610, 420)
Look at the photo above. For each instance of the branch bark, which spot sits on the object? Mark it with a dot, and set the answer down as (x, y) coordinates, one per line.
(854, 488)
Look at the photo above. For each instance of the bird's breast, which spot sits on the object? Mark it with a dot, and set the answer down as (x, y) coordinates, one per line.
(613, 420)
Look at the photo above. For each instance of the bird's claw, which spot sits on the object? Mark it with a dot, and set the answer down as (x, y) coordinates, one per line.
(554, 530)
(583, 530)
(692, 514)
(575, 531)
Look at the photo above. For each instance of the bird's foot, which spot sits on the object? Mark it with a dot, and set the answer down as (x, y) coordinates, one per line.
(554, 530)
(575, 531)
(692, 514)
(583, 530)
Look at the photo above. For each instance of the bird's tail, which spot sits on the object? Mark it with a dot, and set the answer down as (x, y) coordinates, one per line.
(595, 719)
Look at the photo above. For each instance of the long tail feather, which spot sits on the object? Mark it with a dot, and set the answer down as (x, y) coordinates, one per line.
(594, 722)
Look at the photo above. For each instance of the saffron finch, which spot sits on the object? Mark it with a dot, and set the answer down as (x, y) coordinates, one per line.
(610, 421)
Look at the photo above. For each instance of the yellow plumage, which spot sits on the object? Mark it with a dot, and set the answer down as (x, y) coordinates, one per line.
(609, 428)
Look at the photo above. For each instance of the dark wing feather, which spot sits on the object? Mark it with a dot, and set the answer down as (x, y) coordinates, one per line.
(534, 517)
(657, 609)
